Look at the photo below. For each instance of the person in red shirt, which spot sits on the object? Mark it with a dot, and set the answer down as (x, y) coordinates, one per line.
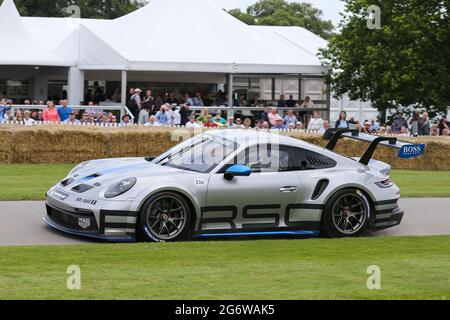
(210, 123)
(51, 113)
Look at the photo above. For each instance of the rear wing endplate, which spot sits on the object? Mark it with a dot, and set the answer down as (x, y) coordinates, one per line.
(407, 150)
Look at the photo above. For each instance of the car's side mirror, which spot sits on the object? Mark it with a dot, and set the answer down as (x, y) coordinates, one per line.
(237, 170)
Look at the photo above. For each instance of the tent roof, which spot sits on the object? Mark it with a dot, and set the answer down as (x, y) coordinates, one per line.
(21, 48)
(197, 35)
(300, 37)
(175, 35)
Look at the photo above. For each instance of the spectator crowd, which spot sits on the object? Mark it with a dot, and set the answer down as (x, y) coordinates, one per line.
(171, 111)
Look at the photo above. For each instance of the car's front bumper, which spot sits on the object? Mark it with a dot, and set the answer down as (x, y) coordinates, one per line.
(387, 215)
(107, 225)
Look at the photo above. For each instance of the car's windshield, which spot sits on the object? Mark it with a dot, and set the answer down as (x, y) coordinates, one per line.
(201, 156)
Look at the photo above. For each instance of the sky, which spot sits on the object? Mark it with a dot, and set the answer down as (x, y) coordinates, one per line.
(330, 8)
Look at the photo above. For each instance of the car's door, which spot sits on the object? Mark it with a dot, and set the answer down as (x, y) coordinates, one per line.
(254, 203)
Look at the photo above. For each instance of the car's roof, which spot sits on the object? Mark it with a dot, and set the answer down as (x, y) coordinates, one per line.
(249, 137)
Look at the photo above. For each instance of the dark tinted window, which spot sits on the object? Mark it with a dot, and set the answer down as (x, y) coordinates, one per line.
(301, 159)
(285, 158)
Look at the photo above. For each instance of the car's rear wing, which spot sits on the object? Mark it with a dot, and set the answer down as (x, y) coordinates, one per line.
(406, 149)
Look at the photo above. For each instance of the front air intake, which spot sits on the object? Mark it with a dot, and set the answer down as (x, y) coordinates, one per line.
(82, 188)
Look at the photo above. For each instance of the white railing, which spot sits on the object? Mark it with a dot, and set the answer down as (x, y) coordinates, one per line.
(129, 125)
(132, 125)
(125, 111)
(122, 109)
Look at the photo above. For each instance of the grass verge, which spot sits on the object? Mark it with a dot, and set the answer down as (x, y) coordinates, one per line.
(422, 184)
(411, 268)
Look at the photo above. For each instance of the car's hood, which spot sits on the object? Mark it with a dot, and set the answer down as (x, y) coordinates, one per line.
(112, 169)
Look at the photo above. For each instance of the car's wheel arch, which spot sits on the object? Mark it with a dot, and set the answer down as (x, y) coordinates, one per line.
(190, 200)
(370, 197)
(370, 200)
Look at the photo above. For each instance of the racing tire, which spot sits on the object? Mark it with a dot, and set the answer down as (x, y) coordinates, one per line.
(165, 217)
(346, 214)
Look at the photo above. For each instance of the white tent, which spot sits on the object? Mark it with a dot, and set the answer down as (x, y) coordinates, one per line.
(302, 38)
(192, 36)
(173, 37)
(19, 46)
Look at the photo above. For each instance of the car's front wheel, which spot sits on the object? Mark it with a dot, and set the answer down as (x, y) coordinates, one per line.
(164, 217)
(346, 214)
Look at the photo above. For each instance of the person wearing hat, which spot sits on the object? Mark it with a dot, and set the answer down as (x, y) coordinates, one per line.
(279, 124)
(72, 119)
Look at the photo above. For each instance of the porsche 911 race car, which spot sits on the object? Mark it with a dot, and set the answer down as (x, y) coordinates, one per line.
(229, 183)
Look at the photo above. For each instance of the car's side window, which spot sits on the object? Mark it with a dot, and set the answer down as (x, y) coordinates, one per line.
(302, 159)
(262, 158)
(269, 158)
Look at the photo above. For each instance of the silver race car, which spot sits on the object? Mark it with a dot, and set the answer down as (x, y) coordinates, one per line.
(229, 183)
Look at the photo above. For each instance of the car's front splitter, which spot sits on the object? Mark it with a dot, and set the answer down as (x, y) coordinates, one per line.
(91, 235)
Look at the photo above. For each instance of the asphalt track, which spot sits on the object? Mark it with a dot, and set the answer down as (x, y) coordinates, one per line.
(21, 223)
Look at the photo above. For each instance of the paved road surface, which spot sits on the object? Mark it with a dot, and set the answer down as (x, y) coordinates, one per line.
(21, 222)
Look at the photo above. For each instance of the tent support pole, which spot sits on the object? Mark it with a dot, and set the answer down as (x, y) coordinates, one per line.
(123, 99)
(230, 95)
(76, 86)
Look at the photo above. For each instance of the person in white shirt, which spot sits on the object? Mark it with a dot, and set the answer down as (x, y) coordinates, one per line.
(176, 117)
(326, 126)
(72, 119)
(192, 124)
(27, 121)
(152, 122)
(316, 123)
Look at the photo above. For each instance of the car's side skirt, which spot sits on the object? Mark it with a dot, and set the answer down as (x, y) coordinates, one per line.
(297, 219)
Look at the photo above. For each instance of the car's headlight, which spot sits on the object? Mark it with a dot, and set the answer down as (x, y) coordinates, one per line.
(385, 184)
(120, 188)
(78, 167)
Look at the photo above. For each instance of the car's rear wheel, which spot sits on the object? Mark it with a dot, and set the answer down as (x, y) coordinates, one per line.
(346, 214)
(165, 217)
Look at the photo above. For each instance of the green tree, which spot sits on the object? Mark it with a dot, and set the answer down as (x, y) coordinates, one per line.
(244, 17)
(283, 13)
(97, 9)
(404, 62)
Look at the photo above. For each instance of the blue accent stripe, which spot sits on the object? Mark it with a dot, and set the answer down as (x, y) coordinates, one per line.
(269, 233)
